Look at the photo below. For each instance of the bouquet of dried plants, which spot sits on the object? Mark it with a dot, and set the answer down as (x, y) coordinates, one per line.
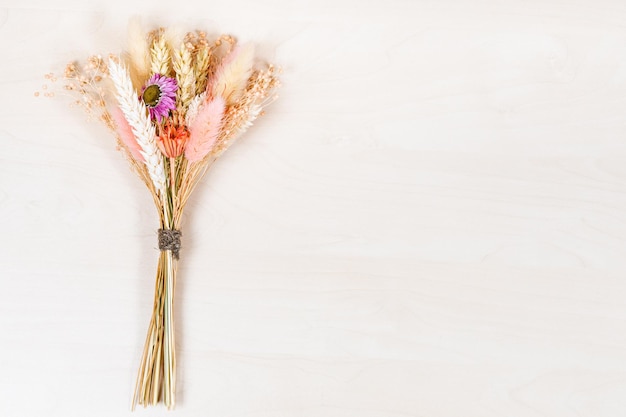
(174, 102)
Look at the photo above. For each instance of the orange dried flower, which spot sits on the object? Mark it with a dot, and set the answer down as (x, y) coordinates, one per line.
(172, 140)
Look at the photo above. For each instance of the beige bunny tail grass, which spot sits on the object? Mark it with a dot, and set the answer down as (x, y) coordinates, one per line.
(232, 76)
(174, 35)
(138, 52)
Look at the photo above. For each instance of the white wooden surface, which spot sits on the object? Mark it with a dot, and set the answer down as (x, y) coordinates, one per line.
(430, 222)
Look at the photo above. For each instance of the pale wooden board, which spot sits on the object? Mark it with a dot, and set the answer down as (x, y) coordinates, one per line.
(430, 222)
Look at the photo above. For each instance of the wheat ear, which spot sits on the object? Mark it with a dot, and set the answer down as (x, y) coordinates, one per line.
(136, 114)
(160, 54)
(184, 77)
(203, 60)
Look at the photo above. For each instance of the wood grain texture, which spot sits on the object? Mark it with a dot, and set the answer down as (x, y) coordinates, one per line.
(430, 222)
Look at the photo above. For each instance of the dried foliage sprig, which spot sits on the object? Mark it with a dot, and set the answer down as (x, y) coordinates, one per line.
(174, 102)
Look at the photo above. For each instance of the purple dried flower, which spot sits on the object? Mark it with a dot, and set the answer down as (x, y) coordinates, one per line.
(159, 95)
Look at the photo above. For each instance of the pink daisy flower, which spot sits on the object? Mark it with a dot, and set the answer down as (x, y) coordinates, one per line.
(159, 95)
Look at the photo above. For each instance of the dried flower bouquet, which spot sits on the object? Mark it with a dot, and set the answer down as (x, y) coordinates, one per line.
(174, 103)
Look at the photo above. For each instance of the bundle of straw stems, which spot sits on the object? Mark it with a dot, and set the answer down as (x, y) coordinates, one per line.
(158, 362)
(156, 379)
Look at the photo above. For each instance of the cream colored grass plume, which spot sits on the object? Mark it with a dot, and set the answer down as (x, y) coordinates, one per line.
(138, 52)
(232, 75)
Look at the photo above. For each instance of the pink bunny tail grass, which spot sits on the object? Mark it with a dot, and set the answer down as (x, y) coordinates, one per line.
(204, 130)
(126, 133)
